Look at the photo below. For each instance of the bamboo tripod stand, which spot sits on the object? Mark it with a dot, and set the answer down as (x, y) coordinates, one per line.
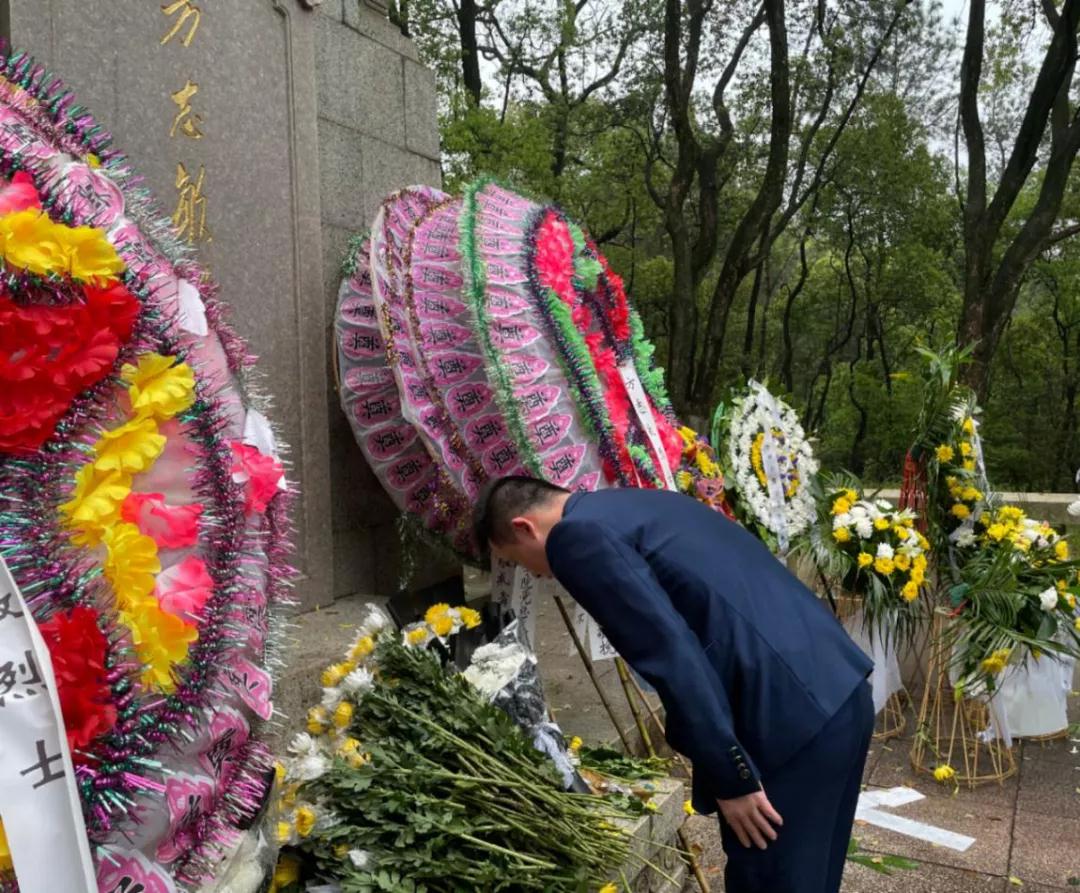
(633, 694)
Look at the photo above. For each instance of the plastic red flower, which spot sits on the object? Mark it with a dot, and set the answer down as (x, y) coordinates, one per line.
(19, 194)
(170, 526)
(260, 474)
(554, 258)
(77, 648)
(184, 588)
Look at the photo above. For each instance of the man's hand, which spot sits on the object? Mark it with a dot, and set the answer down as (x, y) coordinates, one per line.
(751, 818)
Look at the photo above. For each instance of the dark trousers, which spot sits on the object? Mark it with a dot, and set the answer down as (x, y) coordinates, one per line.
(816, 793)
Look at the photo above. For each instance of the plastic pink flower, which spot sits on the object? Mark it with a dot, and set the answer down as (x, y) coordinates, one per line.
(19, 194)
(260, 474)
(184, 588)
(170, 526)
(554, 258)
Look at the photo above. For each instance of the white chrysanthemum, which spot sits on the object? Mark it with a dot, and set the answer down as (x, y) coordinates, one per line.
(311, 767)
(360, 859)
(865, 528)
(358, 682)
(331, 697)
(1048, 599)
(966, 538)
(374, 622)
(303, 744)
(884, 550)
(844, 519)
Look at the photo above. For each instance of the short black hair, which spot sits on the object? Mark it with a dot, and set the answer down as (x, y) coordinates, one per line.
(504, 499)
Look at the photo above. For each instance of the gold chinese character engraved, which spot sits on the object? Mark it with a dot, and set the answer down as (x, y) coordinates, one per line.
(189, 218)
(187, 10)
(186, 120)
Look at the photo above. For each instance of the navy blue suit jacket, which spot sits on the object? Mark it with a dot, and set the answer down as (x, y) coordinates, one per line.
(748, 662)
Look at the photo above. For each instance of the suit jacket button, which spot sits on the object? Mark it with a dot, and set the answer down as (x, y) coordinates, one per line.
(744, 773)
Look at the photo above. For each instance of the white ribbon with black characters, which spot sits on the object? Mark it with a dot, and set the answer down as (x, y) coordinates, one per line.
(39, 799)
(771, 466)
(636, 392)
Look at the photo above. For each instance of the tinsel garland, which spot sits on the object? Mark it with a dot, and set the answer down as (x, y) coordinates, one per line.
(54, 575)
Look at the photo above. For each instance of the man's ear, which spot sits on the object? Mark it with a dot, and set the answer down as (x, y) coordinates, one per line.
(523, 527)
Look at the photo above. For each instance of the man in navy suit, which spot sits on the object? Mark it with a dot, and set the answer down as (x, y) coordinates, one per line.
(763, 690)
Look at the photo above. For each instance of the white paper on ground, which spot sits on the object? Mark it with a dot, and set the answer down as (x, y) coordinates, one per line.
(39, 799)
(872, 806)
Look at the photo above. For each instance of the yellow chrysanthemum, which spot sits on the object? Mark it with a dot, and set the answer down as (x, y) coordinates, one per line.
(284, 832)
(969, 426)
(688, 435)
(159, 385)
(924, 543)
(161, 640)
(841, 506)
(343, 715)
(996, 662)
(902, 562)
(609, 888)
(1076, 624)
(305, 820)
(435, 612)
(918, 576)
(971, 494)
(965, 449)
(575, 744)
(688, 808)
(902, 533)
(417, 636)
(960, 511)
(881, 524)
(842, 535)
(363, 647)
(442, 626)
(865, 559)
(851, 496)
(884, 566)
(910, 592)
(333, 674)
(96, 502)
(945, 453)
(351, 751)
(469, 617)
(287, 871)
(318, 720)
(944, 773)
(131, 564)
(969, 465)
(1061, 550)
(684, 480)
(90, 255)
(997, 532)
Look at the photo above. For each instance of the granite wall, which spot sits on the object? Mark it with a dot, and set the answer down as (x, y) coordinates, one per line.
(270, 129)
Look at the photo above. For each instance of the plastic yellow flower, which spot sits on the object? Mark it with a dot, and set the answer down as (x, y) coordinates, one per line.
(688, 808)
(1061, 550)
(90, 256)
(32, 242)
(841, 506)
(131, 564)
(5, 852)
(96, 502)
(469, 617)
(159, 386)
(442, 626)
(944, 773)
(363, 647)
(996, 662)
(961, 511)
(93, 160)
(884, 566)
(317, 720)
(688, 435)
(343, 715)
(842, 535)
(129, 449)
(910, 592)
(305, 820)
(945, 453)
(161, 640)
(865, 559)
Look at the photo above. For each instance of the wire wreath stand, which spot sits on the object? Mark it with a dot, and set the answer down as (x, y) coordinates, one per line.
(951, 726)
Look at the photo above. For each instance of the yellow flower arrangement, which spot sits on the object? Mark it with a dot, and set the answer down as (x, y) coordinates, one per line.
(442, 625)
(945, 453)
(470, 617)
(435, 612)
(884, 566)
(95, 504)
(159, 385)
(305, 820)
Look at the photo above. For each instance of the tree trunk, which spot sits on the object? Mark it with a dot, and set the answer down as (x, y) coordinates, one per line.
(470, 53)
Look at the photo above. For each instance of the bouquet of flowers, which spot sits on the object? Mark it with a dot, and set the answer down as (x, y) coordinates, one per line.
(700, 474)
(874, 549)
(770, 465)
(409, 779)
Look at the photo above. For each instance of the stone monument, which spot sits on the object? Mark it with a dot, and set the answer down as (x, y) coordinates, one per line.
(269, 129)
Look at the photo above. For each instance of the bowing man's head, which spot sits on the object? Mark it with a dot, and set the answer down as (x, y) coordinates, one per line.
(513, 517)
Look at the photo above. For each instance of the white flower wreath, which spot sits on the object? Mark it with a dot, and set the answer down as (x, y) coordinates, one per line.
(771, 462)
